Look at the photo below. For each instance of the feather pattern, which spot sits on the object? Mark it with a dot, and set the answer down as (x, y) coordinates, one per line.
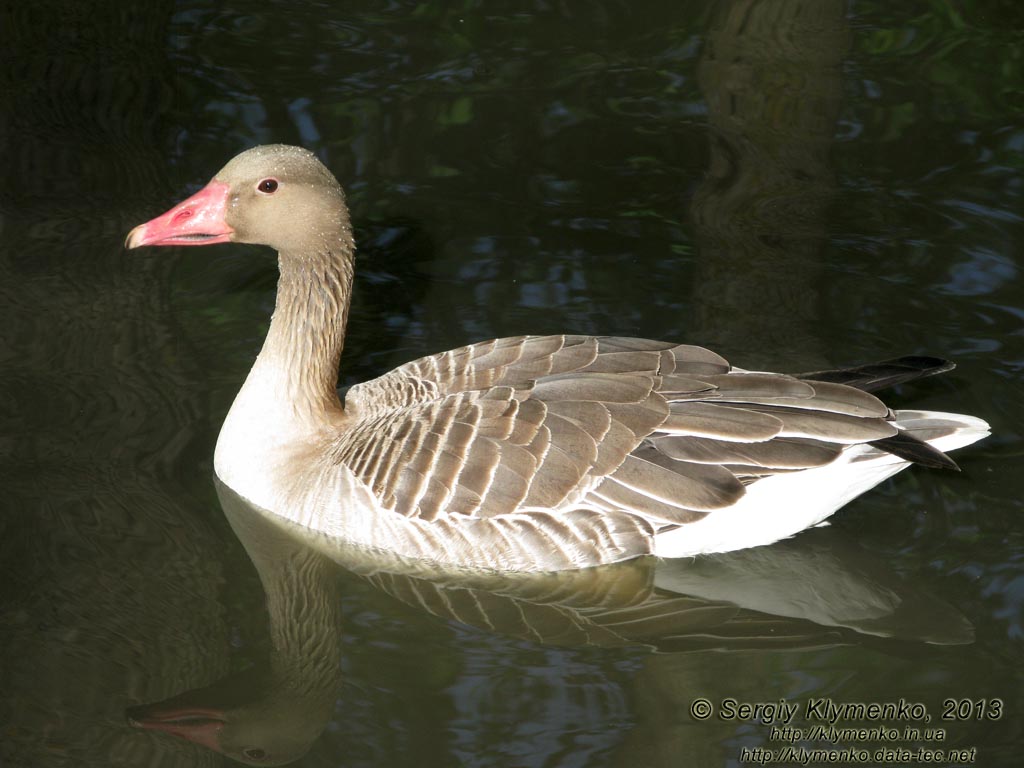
(541, 435)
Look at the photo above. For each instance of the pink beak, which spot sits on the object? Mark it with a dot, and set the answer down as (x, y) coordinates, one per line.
(200, 220)
(201, 725)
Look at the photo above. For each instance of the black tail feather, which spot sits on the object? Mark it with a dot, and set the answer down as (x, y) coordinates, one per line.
(908, 447)
(888, 373)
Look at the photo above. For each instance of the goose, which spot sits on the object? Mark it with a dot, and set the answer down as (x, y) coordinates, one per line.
(529, 453)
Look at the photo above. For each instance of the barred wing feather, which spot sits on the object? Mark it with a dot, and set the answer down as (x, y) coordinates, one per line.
(542, 435)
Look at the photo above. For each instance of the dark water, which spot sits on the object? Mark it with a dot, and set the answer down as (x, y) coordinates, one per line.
(795, 184)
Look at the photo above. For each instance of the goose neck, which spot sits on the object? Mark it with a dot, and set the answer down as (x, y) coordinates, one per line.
(307, 331)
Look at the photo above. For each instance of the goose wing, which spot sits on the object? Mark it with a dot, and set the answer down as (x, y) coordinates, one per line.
(518, 362)
(645, 434)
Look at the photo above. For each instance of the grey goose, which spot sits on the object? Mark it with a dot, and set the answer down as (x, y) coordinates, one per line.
(531, 453)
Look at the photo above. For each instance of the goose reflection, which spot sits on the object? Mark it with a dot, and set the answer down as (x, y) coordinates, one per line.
(811, 592)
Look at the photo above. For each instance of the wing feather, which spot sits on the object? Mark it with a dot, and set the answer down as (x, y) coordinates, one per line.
(617, 496)
(598, 387)
(635, 361)
(769, 386)
(567, 443)
(780, 453)
(823, 425)
(592, 417)
(834, 398)
(476, 475)
(558, 476)
(721, 422)
(694, 486)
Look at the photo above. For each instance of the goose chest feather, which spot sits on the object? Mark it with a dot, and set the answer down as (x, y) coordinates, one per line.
(532, 452)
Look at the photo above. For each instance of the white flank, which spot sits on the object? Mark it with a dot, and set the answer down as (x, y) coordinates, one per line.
(782, 505)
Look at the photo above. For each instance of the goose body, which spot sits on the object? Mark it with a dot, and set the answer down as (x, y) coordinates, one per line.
(532, 452)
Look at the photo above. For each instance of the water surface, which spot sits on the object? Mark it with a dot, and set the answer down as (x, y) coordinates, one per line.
(797, 185)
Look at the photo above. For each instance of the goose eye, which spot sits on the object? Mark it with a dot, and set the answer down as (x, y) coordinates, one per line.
(267, 186)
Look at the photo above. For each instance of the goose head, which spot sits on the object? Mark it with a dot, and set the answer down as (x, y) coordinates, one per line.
(247, 717)
(272, 712)
(275, 195)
